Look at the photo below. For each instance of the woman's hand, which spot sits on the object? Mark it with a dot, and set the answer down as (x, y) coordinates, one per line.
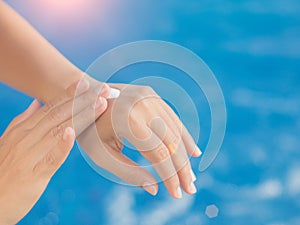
(36, 144)
(145, 120)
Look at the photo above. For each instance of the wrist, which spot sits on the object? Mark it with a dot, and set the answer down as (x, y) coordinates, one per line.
(56, 87)
(70, 78)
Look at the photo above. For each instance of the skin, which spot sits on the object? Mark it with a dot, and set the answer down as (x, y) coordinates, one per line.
(31, 64)
(25, 169)
(145, 120)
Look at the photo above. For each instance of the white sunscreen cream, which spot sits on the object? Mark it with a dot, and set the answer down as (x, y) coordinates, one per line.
(114, 93)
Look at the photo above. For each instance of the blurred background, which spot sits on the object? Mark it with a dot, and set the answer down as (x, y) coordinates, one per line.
(253, 47)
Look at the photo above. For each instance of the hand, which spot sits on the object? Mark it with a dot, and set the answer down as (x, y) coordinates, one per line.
(144, 119)
(36, 144)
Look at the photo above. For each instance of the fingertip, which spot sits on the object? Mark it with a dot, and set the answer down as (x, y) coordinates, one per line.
(177, 193)
(193, 176)
(69, 135)
(191, 189)
(150, 188)
(100, 105)
(35, 103)
(105, 90)
(33, 107)
(196, 152)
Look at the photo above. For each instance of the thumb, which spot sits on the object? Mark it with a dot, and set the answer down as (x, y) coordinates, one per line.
(34, 106)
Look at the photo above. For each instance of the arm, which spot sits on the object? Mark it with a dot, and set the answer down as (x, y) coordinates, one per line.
(28, 160)
(29, 62)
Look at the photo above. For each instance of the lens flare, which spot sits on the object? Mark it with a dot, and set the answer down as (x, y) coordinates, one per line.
(66, 8)
(65, 13)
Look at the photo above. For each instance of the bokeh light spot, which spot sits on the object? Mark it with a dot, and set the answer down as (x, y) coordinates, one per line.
(212, 211)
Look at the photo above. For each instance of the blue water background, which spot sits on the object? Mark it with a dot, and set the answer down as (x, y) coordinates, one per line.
(253, 47)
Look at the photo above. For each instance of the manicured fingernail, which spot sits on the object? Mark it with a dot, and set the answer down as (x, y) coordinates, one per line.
(192, 188)
(194, 178)
(69, 132)
(197, 151)
(178, 193)
(150, 188)
(34, 105)
(99, 103)
(83, 85)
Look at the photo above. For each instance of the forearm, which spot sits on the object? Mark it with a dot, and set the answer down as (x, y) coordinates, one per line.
(28, 62)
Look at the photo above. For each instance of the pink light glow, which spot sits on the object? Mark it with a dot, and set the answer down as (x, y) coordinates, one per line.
(66, 11)
(71, 14)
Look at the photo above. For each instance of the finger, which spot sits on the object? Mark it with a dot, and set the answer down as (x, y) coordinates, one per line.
(163, 165)
(111, 159)
(56, 156)
(34, 106)
(84, 119)
(129, 171)
(184, 170)
(192, 148)
(188, 141)
(160, 159)
(172, 139)
(64, 112)
(78, 88)
(54, 136)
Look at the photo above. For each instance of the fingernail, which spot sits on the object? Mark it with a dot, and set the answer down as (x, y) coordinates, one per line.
(34, 105)
(197, 151)
(194, 178)
(192, 188)
(98, 104)
(178, 193)
(68, 132)
(83, 85)
(150, 188)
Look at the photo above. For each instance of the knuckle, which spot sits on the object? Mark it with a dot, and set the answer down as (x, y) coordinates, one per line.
(146, 90)
(50, 158)
(56, 114)
(162, 154)
(48, 107)
(157, 155)
(58, 131)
